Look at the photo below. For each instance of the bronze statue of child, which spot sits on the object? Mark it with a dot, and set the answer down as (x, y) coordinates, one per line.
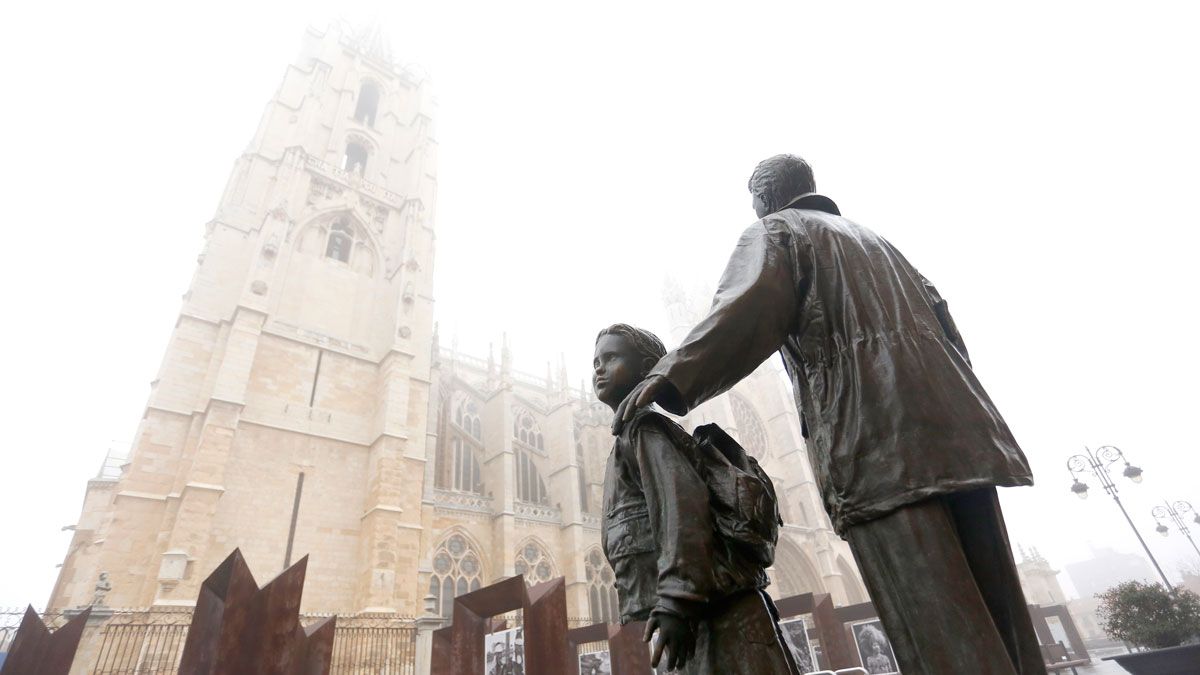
(673, 569)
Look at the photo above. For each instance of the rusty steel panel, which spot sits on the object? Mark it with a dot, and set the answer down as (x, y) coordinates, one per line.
(37, 651)
(458, 648)
(239, 628)
(545, 615)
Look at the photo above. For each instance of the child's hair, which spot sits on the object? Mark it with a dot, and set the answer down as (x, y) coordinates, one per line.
(644, 342)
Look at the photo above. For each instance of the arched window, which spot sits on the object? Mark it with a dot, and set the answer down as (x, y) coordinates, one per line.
(356, 158)
(530, 486)
(602, 595)
(581, 468)
(528, 436)
(466, 417)
(368, 103)
(751, 432)
(457, 464)
(534, 563)
(528, 432)
(456, 570)
(340, 242)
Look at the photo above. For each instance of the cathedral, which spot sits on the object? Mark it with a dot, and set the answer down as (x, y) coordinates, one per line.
(304, 405)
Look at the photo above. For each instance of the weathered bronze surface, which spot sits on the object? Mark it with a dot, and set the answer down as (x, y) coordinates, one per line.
(892, 410)
(37, 651)
(238, 628)
(458, 649)
(677, 565)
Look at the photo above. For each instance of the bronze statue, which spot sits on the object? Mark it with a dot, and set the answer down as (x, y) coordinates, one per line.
(906, 445)
(703, 596)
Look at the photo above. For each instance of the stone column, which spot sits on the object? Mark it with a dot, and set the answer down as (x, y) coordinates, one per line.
(203, 484)
(390, 541)
(428, 622)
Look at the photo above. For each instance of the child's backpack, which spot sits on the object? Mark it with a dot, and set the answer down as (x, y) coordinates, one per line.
(741, 496)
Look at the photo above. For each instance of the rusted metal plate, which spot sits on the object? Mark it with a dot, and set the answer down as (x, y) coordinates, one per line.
(37, 651)
(627, 653)
(546, 648)
(458, 649)
(239, 628)
(443, 643)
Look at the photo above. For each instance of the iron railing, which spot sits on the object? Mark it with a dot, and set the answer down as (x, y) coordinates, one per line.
(150, 642)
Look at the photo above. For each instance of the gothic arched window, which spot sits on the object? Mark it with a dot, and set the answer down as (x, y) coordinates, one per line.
(534, 563)
(602, 595)
(530, 486)
(581, 468)
(456, 570)
(356, 158)
(466, 417)
(340, 242)
(368, 103)
(528, 436)
(751, 432)
(528, 432)
(457, 465)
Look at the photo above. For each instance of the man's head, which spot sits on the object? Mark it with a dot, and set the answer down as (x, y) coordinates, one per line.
(778, 180)
(624, 355)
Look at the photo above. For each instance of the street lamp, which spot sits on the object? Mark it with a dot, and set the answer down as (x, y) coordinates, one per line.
(1175, 512)
(1097, 463)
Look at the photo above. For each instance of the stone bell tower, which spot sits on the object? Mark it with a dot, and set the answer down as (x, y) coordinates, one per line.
(289, 415)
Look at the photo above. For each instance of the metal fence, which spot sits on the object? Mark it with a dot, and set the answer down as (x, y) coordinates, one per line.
(149, 642)
(141, 643)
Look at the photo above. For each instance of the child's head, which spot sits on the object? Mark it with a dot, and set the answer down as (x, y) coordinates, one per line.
(624, 355)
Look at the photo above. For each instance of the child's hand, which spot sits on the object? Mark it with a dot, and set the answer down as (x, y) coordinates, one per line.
(675, 635)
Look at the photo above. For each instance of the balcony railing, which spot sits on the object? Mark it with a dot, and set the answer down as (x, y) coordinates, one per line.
(540, 512)
(462, 501)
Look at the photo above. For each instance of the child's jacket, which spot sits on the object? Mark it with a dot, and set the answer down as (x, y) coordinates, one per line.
(658, 531)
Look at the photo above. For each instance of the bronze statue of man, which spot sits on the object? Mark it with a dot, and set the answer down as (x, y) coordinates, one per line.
(906, 445)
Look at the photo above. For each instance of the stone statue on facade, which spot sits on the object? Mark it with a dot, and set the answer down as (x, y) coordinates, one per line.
(103, 586)
(906, 445)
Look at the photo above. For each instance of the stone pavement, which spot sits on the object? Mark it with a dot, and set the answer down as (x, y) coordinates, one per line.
(1099, 667)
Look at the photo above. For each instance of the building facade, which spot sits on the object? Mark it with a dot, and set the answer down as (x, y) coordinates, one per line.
(304, 407)
(1039, 580)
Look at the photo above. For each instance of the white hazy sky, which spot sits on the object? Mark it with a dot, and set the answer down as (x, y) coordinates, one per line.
(1036, 160)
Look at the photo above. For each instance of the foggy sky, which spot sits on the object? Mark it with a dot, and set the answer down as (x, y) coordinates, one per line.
(1036, 162)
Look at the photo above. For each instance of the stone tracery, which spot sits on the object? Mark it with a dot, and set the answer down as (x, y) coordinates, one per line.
(456, 570)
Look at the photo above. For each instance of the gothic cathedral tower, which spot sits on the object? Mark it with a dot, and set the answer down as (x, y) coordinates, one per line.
(289, 416)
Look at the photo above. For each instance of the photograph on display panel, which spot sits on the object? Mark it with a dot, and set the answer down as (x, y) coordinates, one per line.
(795, 633)
(504, 653)
(874, 648)
(595, 663)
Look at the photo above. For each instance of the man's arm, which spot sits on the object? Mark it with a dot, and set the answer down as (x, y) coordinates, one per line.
(941, 309)
(755, 307)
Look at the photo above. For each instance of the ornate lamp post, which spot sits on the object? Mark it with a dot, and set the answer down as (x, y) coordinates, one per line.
(1175, 512)
(1097, 463)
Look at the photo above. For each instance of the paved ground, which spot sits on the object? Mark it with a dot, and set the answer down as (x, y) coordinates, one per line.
(1099, 667)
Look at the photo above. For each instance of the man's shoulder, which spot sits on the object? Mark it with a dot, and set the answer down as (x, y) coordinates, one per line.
(812, 224)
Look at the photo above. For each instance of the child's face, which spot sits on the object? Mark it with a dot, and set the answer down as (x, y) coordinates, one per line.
(617, 368)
